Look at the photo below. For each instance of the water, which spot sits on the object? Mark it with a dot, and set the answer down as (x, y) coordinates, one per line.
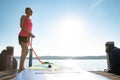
(87, 64)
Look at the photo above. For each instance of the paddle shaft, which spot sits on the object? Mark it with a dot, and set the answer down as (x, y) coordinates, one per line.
(30, 54)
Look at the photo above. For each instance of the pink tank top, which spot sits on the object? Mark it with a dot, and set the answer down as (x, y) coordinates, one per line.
(28, 25)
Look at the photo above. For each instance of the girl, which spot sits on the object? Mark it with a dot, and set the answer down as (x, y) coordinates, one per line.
(24, 35)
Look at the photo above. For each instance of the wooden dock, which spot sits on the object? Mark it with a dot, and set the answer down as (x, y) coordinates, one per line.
(10, 74)
(108, 75)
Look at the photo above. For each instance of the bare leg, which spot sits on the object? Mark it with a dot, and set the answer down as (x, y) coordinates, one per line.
(24, 53)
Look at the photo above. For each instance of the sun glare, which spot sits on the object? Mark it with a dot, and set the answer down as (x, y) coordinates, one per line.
(66, 36)
(70, 63)
(70, 30)
(70, 27)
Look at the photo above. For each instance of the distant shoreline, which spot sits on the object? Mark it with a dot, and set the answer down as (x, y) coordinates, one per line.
(67, 57)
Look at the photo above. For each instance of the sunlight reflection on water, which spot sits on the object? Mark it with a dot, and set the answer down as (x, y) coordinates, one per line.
(88, 64)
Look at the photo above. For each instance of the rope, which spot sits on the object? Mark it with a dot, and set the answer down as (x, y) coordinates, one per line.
(35, 53)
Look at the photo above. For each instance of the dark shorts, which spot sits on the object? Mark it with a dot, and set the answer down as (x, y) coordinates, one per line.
(22, 39)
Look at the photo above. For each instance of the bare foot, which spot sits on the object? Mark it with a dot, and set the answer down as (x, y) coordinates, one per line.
(20, 70)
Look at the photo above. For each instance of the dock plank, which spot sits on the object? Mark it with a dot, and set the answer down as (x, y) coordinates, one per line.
(8, 74)
(109, 75)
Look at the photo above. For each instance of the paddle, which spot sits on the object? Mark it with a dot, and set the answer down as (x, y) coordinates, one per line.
(30, 56)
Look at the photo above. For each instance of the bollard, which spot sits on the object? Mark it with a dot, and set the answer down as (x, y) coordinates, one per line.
(108, 45)
(3, 60)
(9, 58)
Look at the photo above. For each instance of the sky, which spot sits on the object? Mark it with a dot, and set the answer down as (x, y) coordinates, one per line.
(62, 27)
